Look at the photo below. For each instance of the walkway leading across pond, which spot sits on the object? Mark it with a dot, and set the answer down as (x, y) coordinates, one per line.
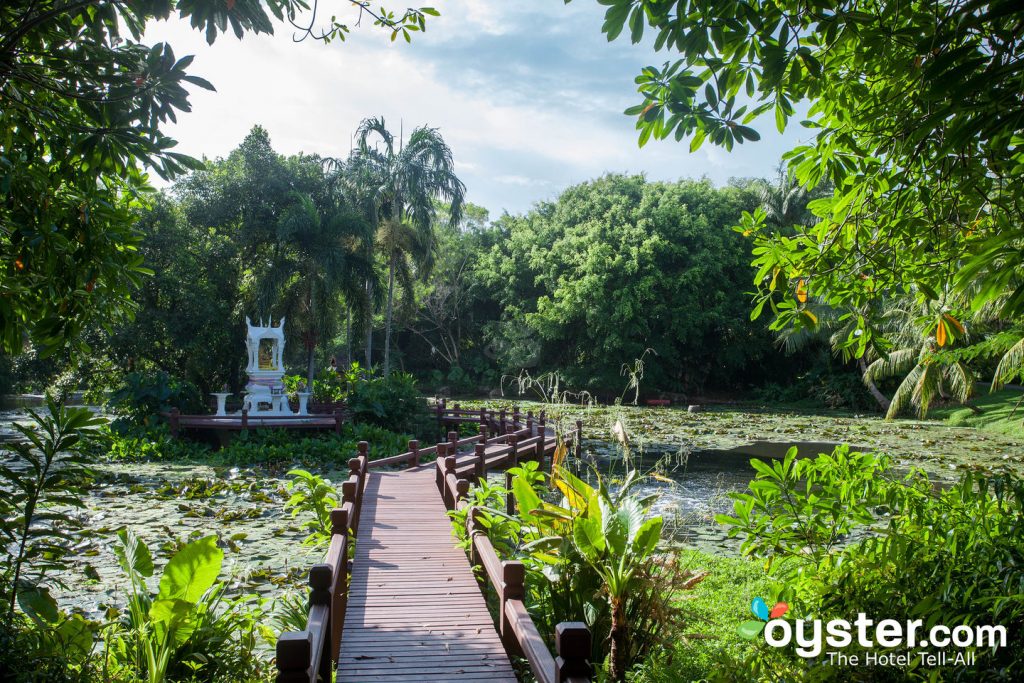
(405, 605)
(415, 611)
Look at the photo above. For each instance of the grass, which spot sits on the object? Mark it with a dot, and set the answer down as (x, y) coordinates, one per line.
(716, 606)
(999, 413)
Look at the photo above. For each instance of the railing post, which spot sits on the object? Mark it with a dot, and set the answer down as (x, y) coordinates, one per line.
(294, 651)
(481, 470)
(414, 453)
(529, 421)
(355, 470)
(348, 495)
(449, 468)
(320, 595)
(513, 460)
(453, 439)
(175, 420)
(339, 603)
(483, 431)
(483, 416)
(515, 417)
(245, 419)
(501, 422)
(543, 419)
(579, 439)
(461, 492)
(513, 576)
(439, 407)
(572, 652)
(472, 529)
(441, 451)
(337, 421)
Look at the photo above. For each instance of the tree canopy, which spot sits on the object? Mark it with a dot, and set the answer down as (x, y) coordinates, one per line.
(918, 126)
(82, 104)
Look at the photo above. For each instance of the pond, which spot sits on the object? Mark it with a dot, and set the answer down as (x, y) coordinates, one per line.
(700, 458)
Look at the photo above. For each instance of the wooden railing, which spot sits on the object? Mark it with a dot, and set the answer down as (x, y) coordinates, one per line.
(309, 655)
(519, 634)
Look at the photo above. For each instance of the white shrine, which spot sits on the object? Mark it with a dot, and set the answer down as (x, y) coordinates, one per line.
(265, 393)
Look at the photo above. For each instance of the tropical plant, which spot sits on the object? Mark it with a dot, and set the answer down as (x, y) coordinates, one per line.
(312, 267)
(143, 396)
(45, 474)
(845, 534)
(397, 190)
(314, 497)
(588, 558)
(926, 373)
(188, 628)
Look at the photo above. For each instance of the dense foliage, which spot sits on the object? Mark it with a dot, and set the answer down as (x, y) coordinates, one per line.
(845, 534)
(82, 104)
(917, 126)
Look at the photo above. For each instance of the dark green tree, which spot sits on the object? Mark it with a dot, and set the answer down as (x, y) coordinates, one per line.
(398, 188)
(918, 123)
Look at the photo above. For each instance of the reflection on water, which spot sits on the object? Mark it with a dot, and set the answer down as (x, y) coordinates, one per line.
(692, 488)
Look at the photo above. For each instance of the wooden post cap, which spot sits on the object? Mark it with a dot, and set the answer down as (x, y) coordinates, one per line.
(339, 521)
(294, 651)
(320, 576)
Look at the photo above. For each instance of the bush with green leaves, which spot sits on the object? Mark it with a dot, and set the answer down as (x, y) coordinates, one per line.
(393, 402)
(588, 558)
(313, 497)
(142, 396)
(844, 534)
(189, 629)
(43, 476)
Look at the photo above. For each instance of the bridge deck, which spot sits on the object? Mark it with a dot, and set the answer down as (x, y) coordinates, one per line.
(415, 611)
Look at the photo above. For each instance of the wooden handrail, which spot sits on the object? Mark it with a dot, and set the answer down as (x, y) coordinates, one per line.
(309, 655)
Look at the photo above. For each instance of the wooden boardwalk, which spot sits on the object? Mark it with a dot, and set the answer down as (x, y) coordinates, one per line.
(415, 610)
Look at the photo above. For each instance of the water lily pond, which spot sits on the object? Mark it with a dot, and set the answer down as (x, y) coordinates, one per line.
(699, 459)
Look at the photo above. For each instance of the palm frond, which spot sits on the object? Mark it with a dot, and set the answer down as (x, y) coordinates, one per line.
(904, 395)
(1010, 365)
(897, 363)
(960, 381)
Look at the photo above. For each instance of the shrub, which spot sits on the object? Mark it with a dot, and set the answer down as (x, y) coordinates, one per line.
(393, 402)
(144, 395)
(590, 558)
(846, 535)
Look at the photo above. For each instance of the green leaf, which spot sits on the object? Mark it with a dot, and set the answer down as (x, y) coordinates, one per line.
(191, 571)
(133, 554)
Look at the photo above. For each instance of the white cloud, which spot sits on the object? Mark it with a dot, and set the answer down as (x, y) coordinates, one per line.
(526, 112)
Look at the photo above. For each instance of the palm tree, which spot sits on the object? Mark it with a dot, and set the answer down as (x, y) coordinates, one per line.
(926, 376)
(312, 266)
(397, 190)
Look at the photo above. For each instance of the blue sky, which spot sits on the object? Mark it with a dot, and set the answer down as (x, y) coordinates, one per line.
(528, 93)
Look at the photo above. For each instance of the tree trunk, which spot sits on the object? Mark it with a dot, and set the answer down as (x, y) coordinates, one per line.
(348, 335)
(617, 656)
(872, 388)
(310, 350)
(387, 317)
(369, 324)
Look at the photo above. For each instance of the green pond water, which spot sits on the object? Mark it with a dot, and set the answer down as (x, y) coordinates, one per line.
(702, 456)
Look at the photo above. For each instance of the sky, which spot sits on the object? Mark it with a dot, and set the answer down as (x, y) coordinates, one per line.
(529, 95)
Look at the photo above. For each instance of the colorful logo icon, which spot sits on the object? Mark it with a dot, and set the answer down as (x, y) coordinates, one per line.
(750, 629)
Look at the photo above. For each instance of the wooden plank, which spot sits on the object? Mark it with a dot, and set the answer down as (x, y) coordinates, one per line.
(415, 610)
